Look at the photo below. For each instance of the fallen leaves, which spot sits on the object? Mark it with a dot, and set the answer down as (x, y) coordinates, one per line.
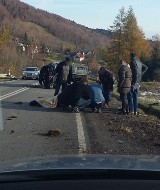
(122, 129)
(125, 129)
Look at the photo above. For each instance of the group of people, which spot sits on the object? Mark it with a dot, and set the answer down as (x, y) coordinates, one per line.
(76, 95)
(129, 78)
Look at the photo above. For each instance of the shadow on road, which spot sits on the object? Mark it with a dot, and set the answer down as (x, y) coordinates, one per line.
(20, 85)
(25, 106)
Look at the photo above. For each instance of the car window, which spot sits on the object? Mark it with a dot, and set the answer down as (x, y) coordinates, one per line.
(31, 69)
(50, 51)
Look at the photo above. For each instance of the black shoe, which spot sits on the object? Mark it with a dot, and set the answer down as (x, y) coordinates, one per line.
(93, 110)
(76, 110)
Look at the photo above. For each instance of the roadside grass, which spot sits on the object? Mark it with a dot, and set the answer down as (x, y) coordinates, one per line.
(146, 105)
(150, 86)
(3, 80)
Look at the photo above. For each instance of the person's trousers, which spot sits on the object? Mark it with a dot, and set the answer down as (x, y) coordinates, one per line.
(133, 100)
(107, 95)
(82, 103)
(124, 100)
(58, 85)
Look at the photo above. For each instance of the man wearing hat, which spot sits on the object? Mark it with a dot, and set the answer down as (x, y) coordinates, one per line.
(64, 75)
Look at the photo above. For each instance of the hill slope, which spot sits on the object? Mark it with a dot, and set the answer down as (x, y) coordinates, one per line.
(15, 14)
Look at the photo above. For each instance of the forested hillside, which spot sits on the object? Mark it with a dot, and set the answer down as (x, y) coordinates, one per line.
(30, 36)
(15, 14)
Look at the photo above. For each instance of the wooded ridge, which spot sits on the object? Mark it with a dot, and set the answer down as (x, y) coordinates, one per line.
(15, 14)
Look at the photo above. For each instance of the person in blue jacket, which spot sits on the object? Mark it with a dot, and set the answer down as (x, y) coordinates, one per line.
(97, 98)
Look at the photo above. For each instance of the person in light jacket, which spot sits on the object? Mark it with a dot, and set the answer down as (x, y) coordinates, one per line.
(124, 84)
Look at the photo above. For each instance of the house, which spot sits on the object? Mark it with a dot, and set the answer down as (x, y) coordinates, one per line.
(79, 57)
(89, 53)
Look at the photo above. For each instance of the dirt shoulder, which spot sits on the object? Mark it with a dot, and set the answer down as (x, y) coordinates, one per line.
(112, 133)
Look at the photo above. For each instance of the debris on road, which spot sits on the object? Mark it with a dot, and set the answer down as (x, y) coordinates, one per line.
(50, 103)
(12, 132)
(54, 132)
(13, 116)
(126, 129)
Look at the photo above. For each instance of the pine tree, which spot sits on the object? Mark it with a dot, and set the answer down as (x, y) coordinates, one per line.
(117, 44)
(127, 37)
(134, 37)
(25, 39)
(155, 59)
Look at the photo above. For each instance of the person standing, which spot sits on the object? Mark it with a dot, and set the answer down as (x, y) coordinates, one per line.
(124, 84)
(138, 69)
(64, 75)
(106, 79)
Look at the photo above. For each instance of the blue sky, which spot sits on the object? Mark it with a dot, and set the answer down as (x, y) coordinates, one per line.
(102, 13)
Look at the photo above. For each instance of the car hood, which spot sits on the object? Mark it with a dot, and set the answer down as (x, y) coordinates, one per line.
(149, 163)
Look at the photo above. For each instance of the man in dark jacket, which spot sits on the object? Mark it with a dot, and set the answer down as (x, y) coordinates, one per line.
(73, 93)
(124, 84)
(106, 79)
(46, 75)
(64, 75)
(138, 69)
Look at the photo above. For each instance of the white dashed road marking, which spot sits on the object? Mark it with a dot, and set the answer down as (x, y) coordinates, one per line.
(5, 97)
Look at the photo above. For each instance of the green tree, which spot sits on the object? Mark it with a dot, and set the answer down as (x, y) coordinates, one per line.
(155, 58)
(26, 40)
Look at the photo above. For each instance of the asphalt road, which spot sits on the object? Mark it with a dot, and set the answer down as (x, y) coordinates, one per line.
(24, 128)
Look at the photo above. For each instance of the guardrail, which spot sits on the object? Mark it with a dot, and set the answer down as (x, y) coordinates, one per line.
(7, 76)
(3, 75)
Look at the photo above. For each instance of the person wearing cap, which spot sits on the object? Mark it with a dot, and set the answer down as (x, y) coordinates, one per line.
(63, 74)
